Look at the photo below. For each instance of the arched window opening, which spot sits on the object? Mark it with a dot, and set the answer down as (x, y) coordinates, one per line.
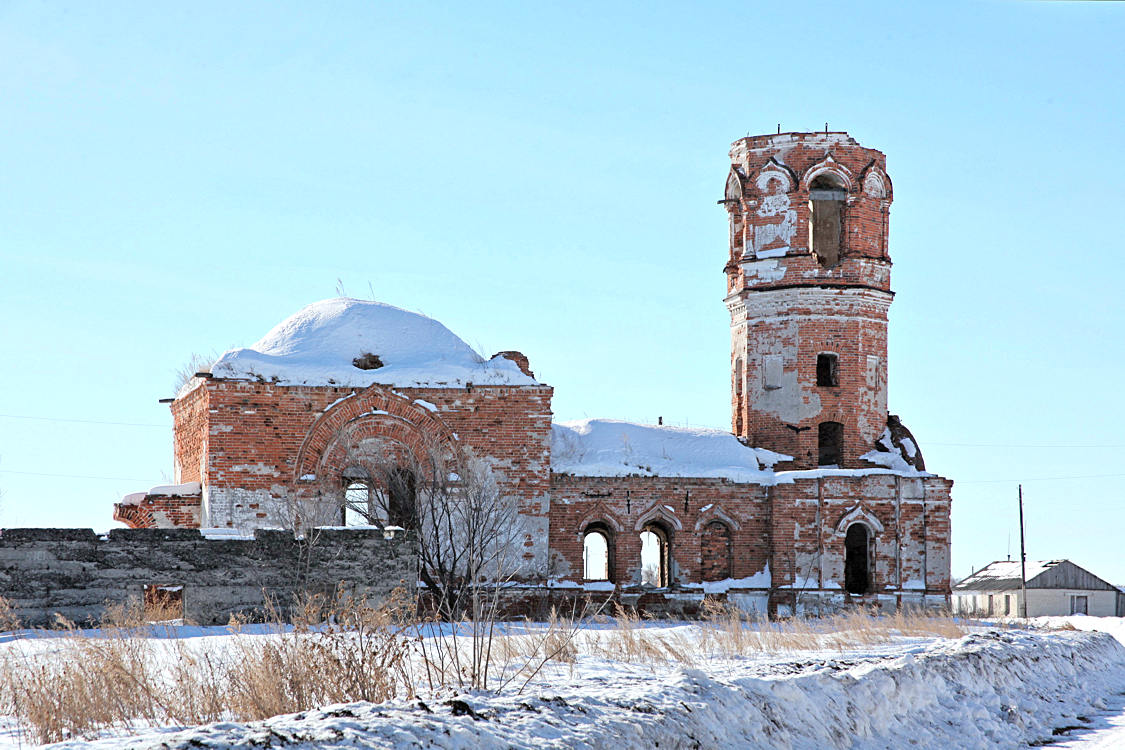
(857, 564)
(830, 443)
(738, 377)
(360, 508)
(716, 551)
(655, 556)
(827, 370)
(595, 555)
(401, 498)
(826, 219)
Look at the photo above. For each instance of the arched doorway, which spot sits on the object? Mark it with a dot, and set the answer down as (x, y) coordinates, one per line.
(857, 563)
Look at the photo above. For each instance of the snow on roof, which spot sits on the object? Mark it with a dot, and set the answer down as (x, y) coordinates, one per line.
(610, 448)
(319, 344)
(1004, 574)
(173, 490)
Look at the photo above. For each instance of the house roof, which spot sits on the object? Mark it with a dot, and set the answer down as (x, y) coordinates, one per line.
(326, 342)
(1004, 575)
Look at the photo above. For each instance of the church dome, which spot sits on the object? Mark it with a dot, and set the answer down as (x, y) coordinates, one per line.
(351, 342)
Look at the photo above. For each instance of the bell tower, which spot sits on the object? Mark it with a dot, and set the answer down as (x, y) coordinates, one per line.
(808, 290)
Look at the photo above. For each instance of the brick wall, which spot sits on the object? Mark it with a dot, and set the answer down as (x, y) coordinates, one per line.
(796, 527)
(787, 306)
(260, 444)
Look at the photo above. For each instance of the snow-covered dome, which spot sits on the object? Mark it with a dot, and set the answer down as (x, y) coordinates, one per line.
(351, 342)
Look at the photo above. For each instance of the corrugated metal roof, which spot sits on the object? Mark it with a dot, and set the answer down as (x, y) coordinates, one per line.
(1003, 575)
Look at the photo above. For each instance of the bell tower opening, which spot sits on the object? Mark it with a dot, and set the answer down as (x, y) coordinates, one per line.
(826, 219)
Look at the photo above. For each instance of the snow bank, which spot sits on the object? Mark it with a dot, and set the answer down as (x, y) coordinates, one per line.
(610, 448)
(994, 689)
(318, 345)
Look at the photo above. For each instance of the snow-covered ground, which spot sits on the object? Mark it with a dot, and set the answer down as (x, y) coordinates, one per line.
(994, 688)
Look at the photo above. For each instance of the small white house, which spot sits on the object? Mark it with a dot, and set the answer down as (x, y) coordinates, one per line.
(1054, 587)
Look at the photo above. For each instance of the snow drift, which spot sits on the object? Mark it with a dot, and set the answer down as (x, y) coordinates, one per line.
(993, 689)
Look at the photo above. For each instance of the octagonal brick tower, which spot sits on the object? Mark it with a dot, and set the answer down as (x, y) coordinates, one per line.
(808, 289)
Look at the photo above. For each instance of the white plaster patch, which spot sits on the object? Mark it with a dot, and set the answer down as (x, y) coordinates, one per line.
(766, 270)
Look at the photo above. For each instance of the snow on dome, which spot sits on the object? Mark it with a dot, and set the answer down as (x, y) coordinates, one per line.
(327, 342)
(609, 448)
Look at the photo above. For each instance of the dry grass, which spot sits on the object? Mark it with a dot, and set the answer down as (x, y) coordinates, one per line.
(119, 679)
(348, 650)
(727, 632)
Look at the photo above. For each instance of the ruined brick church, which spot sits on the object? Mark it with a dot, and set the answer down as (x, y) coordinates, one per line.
(816, 495)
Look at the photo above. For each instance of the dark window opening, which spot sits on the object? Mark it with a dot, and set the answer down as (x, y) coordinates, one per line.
(830, 442)
(857, 567)
(596, 548)
(827, 370)
(401, 498)
(655, 556)
(716, 551)
(163, 602)
(826, 219)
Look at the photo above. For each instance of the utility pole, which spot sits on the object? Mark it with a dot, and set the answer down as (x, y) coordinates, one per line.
(1023, 562)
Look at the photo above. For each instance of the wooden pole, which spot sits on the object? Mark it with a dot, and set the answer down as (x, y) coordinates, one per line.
(1023, 562)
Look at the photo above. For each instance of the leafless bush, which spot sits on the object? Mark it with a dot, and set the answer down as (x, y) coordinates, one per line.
(197, 362)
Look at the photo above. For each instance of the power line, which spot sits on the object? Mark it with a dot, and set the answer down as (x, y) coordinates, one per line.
(82, 421)
(1025, 445)
(1036, 479)
(73, 476)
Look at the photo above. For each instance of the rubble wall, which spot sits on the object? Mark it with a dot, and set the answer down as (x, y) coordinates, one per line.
(76, 572)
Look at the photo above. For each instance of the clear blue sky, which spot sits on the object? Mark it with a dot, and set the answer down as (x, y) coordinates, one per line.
(543, 177)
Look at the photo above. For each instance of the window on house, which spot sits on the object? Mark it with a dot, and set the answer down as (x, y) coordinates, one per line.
(826, 219)
(830, 443)
(1007, 604)
(655, 558)
(990, 603)
(163, 602)
(595, 555)
(827, 370)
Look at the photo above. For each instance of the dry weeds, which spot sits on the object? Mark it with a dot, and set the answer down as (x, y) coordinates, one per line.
(348, 650)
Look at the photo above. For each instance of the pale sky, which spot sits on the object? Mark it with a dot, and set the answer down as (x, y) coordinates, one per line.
(179, 178)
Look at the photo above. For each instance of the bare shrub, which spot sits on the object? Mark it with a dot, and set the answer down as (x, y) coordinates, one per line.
(197, 362)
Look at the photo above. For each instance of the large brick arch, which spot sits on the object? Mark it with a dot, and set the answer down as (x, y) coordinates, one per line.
(376, 412)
